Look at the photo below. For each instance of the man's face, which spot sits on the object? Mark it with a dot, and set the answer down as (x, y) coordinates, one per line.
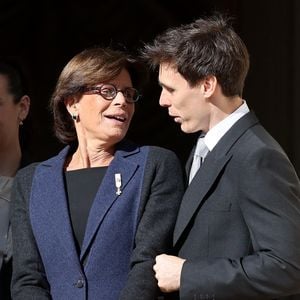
(186, 104)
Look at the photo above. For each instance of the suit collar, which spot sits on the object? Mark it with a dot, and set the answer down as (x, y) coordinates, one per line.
(215, 133)
(234, 133)
(229, 138)
(213, 164)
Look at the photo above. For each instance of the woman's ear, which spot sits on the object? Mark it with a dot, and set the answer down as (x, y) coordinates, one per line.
(71, 106)
(24, 105)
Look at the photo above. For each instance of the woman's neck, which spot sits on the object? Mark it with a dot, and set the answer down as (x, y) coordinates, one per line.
(10, 159)
(85, 157)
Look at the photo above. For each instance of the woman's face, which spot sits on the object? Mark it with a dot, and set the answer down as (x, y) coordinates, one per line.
(9, 115)
(101, 120)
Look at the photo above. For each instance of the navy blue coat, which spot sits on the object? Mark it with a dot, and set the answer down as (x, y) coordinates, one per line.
(123, 235)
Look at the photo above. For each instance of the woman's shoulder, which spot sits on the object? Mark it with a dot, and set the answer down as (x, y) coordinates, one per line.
(161, 152)
(134, 147)
(154, 154)
(26, 172)
(164, 159)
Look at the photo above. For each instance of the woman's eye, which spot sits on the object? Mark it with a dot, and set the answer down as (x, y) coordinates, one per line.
(107, 91)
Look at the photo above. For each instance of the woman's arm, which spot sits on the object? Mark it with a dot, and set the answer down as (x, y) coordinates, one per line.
(161, 194)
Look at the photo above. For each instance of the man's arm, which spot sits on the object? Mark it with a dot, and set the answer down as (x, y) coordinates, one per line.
(269, 200)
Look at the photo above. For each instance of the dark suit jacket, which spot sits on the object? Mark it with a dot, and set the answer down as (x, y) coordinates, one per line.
(46, 265)
(239, 221)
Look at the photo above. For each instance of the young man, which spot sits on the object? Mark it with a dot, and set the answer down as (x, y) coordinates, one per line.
(238, 229)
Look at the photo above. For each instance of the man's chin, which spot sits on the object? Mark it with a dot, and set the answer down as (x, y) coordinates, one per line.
(184, 129)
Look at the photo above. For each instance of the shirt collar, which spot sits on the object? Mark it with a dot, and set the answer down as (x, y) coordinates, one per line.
(213, 136)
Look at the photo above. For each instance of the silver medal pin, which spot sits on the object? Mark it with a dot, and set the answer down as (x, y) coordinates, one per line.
(118, 183)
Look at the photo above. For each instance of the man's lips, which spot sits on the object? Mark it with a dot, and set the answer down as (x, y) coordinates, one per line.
(177, 119)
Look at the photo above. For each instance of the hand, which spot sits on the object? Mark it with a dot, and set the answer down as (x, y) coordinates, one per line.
(167, 272)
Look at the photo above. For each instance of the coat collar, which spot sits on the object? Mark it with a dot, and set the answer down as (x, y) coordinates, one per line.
(214, 163)
(50, 177)
(123, 149)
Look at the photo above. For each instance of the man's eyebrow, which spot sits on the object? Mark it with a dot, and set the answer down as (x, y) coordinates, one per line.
(167, 87)
(163, 85)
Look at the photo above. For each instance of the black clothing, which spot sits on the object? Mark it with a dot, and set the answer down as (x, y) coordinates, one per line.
(80, 199)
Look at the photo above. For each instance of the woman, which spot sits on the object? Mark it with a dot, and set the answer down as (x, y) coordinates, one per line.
(14, 107)
(89, 222)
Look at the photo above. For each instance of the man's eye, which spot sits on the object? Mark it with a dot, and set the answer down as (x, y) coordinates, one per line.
(169, 90)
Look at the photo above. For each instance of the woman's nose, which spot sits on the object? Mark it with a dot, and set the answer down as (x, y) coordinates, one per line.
(120, 98)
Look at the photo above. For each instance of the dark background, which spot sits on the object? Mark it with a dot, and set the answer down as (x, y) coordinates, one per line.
(45, 35)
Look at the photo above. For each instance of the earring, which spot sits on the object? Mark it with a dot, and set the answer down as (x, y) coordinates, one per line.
(75, 117)
(21, 122)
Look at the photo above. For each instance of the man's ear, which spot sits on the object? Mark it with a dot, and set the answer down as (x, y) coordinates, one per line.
(209, 84)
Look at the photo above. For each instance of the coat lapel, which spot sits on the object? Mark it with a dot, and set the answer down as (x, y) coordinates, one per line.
(106, 195)
(214, 163)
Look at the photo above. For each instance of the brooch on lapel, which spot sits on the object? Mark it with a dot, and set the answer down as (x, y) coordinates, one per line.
(118, 183)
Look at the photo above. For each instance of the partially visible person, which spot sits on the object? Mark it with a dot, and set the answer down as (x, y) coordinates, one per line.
(88, 223)
(237, 234)
(14, 108)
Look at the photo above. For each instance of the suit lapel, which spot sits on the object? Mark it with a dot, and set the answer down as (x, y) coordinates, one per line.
(214, 163)
(106, 196)
(197, 190)
(189, 162)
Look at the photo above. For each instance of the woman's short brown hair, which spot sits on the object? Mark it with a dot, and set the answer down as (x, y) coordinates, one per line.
(85, 69)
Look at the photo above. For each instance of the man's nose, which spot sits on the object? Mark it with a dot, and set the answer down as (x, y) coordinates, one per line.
(164, 101)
